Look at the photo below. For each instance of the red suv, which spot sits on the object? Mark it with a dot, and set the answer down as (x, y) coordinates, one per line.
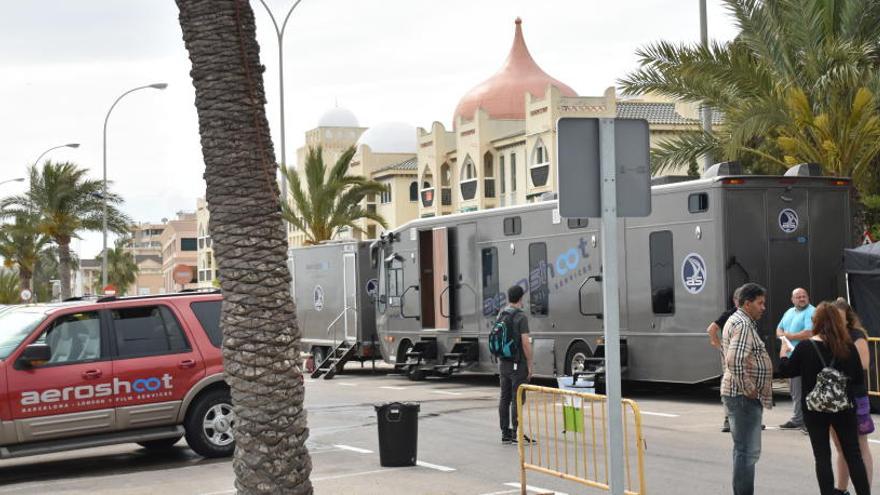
(83, 374)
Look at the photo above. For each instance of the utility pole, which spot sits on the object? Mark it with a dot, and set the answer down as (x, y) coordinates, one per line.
(705, 110)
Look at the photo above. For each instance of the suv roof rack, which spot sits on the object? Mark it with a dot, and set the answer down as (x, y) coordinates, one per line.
(184, 292)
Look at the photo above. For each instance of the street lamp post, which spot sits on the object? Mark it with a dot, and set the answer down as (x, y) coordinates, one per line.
(104, 188)
(70, 145)
(280, 34)
(706, 110)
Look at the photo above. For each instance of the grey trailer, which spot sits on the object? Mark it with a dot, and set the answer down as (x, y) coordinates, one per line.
(334, 287)
(442, 280)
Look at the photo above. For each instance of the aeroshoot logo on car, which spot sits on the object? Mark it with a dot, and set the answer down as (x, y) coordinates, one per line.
(120, 390)
(788, 220)
(693, 273)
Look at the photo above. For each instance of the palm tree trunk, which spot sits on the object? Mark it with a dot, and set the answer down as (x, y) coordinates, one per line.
(258, 320)
(64, 267)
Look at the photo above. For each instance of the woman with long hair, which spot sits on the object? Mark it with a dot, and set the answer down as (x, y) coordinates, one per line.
(830, 347)
(859, 337)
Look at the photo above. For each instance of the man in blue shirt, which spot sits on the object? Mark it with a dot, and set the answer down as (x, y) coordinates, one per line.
(796, 325)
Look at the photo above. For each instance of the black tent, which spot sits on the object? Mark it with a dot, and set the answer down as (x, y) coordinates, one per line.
(862, 266)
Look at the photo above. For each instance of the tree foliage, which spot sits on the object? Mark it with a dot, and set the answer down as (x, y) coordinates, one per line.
(331, 200)
(122, 267)
(799, 83)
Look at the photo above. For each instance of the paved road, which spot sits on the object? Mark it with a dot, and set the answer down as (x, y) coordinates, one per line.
(459, 448)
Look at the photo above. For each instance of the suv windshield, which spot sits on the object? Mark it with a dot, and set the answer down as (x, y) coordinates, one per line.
(15, 325)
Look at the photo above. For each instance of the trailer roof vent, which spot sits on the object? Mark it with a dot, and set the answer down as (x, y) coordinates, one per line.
(722, 169)
(805, 170)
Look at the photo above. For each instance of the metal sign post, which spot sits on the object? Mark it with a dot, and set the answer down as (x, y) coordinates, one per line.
(596, 158)
(611, 305)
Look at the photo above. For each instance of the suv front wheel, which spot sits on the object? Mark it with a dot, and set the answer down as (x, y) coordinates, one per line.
(209, 425)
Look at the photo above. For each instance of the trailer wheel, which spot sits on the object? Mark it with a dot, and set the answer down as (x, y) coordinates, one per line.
(404, 347)
(576, 358)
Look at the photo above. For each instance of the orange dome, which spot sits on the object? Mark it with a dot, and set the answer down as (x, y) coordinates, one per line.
(503, 94)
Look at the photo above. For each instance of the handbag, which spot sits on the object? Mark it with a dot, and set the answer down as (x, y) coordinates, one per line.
(829, 394)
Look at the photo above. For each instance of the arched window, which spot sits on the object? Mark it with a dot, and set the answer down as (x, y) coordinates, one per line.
(539, 154)
(539, 169)
(414, 191)
(445, 175)
(427, 192)
(468, 169)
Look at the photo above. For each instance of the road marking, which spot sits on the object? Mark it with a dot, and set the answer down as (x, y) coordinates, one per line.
(873, 441)
(534, 488)
(353, 449)
(502, 493)
(438, 467)
(346, 384)
(347, 475)
(388, 387)
(444, 392)
(662, 415)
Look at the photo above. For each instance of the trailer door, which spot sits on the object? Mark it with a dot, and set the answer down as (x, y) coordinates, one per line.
(442, 283)
(464, 269)
(788, 228)
(349, 288)
(745, 235)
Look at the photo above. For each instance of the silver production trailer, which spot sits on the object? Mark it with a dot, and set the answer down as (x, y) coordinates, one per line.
(334, 287)
(442, 280)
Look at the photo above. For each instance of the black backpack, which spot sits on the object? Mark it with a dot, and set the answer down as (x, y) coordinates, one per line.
(504, 339)
(829, 395)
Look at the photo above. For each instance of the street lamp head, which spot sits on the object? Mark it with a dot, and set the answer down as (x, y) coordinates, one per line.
(72, 145)
(18, 179)
(159, 85)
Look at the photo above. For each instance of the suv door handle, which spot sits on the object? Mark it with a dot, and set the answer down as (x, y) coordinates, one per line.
(186, 363)
(91, 374)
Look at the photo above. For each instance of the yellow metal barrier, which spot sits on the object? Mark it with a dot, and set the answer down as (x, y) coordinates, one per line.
(874, 368)
(569, 435)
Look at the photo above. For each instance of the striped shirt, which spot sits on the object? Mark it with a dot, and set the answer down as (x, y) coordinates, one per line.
(748, 370)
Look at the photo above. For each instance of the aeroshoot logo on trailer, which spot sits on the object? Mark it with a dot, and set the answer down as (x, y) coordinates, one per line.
(693, 273)
(788, 220)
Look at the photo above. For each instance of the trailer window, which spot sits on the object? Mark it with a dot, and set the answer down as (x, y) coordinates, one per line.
(662, 273)
(394, 281)
(578, 223)
(539, 286)
(490, 272)
(512, 226)
(698, 202)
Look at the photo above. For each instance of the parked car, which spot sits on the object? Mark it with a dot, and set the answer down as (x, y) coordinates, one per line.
(142, 369)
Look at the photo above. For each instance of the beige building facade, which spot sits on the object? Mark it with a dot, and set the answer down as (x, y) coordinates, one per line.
(206, 265)
(179, 242)
(146, 248)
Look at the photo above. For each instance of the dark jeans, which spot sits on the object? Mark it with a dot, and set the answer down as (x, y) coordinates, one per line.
(510, 381)
(745, 428)
(844, 424)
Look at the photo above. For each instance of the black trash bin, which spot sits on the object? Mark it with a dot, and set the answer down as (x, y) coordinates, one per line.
(398, 433)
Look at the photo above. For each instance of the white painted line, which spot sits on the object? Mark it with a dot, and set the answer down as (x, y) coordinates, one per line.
(535, 488)
(348, 475)
(438, 467)
(444, 392)
(873, 441)
(662, 415)
(388, 387)
(346, 384)
(502, 493)
(353, 449)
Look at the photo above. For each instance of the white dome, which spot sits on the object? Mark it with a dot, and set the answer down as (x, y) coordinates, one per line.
(390, 137)
(338, 117)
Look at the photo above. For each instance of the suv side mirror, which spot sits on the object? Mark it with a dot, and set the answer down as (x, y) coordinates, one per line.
(35, 355)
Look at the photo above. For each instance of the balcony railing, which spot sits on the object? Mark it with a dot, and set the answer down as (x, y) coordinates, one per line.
(468, 189)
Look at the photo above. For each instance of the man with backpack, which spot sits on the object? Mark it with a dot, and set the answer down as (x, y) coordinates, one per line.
(509, 341)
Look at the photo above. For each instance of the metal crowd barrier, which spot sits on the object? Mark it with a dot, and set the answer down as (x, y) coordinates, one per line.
(569, 435)
(874, 368)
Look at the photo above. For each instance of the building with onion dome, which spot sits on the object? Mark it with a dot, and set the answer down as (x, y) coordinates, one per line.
(499, 151)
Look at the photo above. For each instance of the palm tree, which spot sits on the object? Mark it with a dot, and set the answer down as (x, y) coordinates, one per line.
(9, 288)
(67, 203)
(332, 200)
(20, 245)
(261, 338)
(122, 268)
(799, 83)
(47, 269)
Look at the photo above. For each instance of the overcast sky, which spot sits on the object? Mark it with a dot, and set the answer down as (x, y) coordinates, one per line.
(63, 63)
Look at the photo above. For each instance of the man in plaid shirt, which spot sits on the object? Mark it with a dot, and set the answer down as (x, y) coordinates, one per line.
(746, 387)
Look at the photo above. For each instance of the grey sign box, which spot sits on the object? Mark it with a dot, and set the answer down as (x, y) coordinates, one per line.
(579, 170)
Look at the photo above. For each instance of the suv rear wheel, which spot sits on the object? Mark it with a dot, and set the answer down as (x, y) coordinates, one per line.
(209, 425)
(161, 444)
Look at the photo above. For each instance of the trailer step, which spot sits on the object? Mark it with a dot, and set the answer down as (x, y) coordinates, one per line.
(335, 361)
